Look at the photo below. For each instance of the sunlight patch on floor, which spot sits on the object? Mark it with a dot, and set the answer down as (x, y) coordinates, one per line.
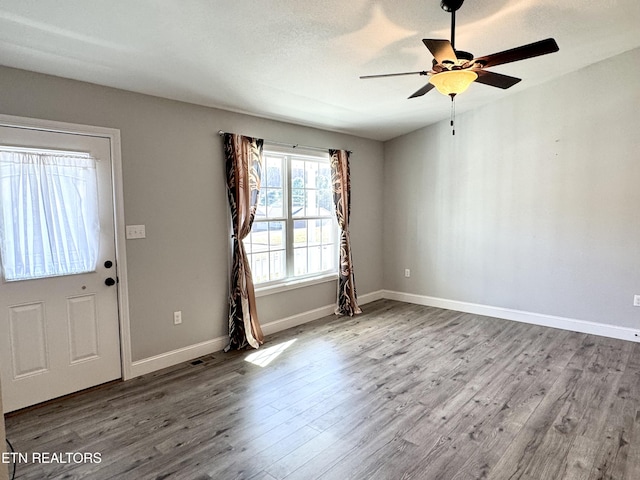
(264, 357)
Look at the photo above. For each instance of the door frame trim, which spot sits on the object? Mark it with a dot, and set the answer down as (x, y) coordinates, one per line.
(113, 135)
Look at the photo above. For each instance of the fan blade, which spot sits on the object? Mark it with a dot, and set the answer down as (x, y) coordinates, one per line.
(423, 72)
(496, 79)
(440, 49)
(427, 88)
(519, 53)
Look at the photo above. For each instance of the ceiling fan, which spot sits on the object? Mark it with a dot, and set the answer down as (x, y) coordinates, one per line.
(454, 70)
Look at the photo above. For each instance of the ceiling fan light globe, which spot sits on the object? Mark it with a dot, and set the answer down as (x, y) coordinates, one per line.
(453, 82)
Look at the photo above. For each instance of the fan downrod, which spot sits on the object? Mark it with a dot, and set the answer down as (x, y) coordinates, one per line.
(451, 5)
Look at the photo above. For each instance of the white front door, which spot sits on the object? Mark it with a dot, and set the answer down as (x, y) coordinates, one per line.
(58, 334)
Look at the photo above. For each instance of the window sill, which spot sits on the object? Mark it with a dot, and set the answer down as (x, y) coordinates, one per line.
(293, 284)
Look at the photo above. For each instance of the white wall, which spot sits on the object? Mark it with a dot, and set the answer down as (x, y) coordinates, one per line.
(533, 205)
(174, 183)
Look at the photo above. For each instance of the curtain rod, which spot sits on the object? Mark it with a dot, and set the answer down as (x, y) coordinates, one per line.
(282, 144)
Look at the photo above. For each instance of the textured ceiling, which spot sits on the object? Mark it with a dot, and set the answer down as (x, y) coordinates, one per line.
(299, 61)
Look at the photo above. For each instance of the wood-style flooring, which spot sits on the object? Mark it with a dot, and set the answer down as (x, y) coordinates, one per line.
(400, 392)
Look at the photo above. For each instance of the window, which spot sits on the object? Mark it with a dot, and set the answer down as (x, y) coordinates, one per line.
(49, 222)
(295, 233)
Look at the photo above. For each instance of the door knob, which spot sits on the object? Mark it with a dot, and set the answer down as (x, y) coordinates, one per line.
(109, 282)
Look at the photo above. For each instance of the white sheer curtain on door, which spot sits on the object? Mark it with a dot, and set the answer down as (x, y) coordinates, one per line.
(49, 221)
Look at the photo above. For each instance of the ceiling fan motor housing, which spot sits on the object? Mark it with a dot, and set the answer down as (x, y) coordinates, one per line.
(464, 55)
(463, 60)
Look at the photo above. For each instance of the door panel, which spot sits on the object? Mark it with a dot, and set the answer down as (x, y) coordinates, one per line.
(59, 335)
(27, 336)
(83, 328)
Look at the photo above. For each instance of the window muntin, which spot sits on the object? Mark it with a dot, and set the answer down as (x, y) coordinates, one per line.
(294, 234)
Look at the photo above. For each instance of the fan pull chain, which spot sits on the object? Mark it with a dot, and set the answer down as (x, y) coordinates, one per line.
(453, 113)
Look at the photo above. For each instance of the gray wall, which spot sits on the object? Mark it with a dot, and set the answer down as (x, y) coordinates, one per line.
(174, 183)
(533, 205)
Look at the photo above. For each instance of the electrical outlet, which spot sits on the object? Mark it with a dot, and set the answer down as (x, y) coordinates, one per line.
(177, 318)
(407, 272)
(636, 300)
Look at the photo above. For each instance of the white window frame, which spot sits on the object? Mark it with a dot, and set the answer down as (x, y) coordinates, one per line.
(291, 281)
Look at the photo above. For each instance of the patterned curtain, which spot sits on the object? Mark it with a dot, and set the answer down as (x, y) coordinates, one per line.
(347, 298)
(244, 168)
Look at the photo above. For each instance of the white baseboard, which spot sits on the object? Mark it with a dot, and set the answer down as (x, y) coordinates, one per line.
(174, 357)
(563, 323)
(298, 319)
(370, 297)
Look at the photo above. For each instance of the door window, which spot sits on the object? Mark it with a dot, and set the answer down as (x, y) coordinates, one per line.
(49, 223)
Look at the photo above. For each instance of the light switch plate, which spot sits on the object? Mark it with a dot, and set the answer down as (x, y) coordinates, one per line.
(135, 231)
